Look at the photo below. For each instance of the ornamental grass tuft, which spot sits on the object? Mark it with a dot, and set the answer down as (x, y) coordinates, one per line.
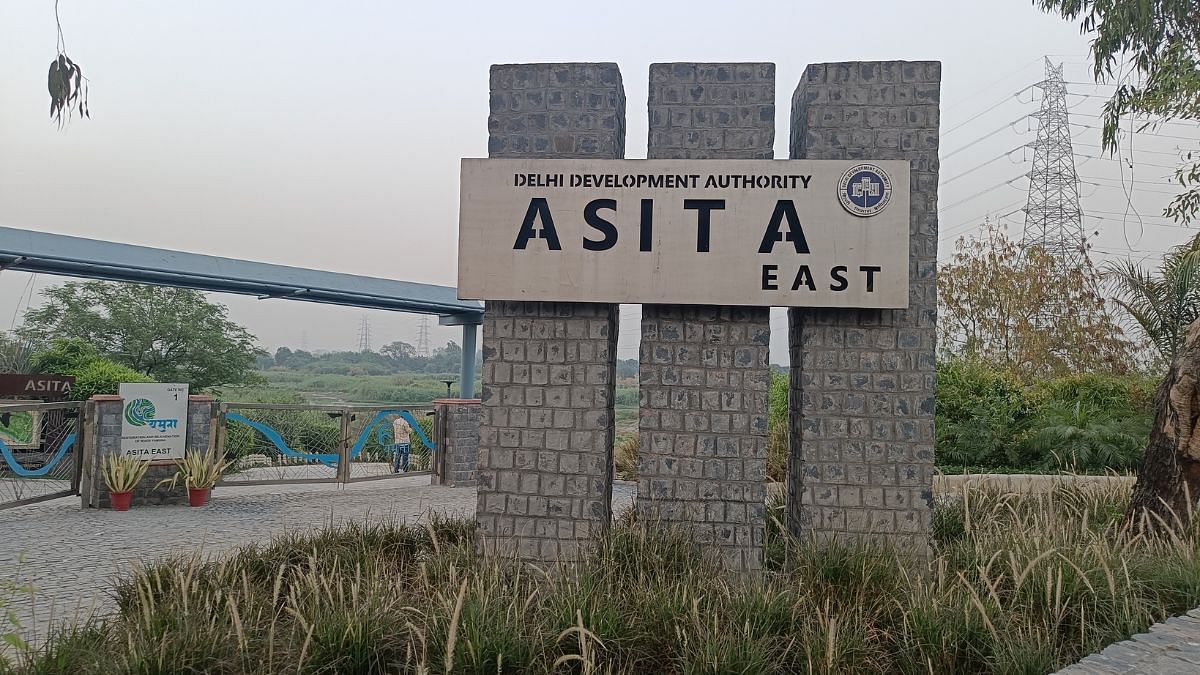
(1015, 584)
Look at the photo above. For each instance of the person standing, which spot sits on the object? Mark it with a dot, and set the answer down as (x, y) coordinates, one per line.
(401, 431)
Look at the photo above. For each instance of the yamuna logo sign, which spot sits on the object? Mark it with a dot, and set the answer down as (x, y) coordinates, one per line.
(139, 411)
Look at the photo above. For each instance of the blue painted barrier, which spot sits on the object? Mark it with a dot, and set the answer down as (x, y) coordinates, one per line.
(21, 471)
(330, 459)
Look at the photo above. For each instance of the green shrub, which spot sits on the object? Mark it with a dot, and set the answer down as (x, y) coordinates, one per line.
(987, 420)
(1083, 438)
(981, 416)
(94, 374)
(1130, 395)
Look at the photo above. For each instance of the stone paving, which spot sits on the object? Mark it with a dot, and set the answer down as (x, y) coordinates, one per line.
(71, 555)
(1169, 648)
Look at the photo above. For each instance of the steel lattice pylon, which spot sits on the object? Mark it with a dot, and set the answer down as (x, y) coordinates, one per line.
(364, 335)
(1053, 219)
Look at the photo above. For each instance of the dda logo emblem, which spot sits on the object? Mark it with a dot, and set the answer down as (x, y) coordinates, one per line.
(864, 190)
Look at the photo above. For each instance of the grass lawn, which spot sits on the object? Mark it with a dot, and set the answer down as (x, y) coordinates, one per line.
(1015, 585)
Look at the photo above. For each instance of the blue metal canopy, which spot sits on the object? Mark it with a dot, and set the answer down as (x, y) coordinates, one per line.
(47, 253)
(64, 255)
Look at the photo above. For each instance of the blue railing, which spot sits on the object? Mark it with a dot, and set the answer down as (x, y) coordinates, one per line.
(330, 459)
(15, 466)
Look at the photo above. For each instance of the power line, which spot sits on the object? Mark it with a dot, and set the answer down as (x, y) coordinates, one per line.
(997, 104)
(1141, 133)
(991, 85)
(1190, 125)
(986, 136)
(1149, 152)
(1091, 181)
(974, 223)
(990, 161)
(983, 192)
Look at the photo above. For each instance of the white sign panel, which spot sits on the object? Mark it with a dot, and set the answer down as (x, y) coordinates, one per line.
(794, 233)
(154, 420)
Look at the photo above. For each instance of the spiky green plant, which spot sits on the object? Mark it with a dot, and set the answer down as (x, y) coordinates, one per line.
(198, 470)
(122, 473)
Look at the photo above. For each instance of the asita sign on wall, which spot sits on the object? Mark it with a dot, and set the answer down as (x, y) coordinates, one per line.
(730, 232)
(154, 420)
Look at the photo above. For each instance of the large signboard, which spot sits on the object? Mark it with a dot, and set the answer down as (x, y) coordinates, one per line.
(795, 233)
(154, 420)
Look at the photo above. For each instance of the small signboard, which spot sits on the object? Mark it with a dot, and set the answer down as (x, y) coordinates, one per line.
(38, 385)
(154, 420)
(793, 233)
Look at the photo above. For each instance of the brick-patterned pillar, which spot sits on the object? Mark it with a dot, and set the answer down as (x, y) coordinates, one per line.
(704, 371)
(549, 368)
(862, 381)
(457, 440)
(107, 440)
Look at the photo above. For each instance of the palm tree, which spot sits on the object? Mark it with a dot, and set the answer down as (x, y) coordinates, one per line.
(1163, 303)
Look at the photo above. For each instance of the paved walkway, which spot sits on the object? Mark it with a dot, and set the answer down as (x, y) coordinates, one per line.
(1169, 648)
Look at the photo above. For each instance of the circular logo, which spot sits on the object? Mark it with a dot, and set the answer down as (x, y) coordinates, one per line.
(864, 190)
(139, 411)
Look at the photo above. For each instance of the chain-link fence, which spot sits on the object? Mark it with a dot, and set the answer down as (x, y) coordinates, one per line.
(271, 443)
(40, 446)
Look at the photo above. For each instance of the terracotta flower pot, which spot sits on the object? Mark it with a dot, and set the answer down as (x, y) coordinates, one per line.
(198, 496)
(120, 500)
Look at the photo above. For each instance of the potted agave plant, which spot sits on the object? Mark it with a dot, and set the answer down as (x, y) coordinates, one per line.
(122, 474)
(199, 471)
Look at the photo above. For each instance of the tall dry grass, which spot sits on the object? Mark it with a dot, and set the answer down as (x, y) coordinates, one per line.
(1016, 584)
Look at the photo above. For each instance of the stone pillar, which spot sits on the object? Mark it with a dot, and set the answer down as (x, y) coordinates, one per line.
(107, 441)
(457, 440)
(704, 370)
(862, 381)
(549, 368)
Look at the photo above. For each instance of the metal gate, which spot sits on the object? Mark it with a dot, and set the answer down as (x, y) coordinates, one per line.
(276, 444)
(41, 450)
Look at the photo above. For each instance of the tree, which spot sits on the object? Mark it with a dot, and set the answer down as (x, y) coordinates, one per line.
(1165, 303)
(169, 334)
(399, 351)
(1168, 482)
(1027, 312)
(1160, 41)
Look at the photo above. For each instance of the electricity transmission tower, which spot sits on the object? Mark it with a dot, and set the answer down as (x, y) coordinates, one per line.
(423, 337)
(364, 335)
(1053, 219)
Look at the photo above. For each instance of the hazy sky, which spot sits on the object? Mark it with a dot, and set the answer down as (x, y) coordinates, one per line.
(328, 134)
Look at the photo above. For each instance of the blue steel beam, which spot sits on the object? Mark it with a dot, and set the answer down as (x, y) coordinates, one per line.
(47, 253)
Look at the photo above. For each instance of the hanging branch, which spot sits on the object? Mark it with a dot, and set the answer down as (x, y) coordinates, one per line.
(66, 83)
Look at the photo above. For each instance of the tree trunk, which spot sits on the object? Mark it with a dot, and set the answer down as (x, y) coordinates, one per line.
(1168, 484)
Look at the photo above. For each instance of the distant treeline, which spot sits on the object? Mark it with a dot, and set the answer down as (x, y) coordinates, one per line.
(393, 359)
